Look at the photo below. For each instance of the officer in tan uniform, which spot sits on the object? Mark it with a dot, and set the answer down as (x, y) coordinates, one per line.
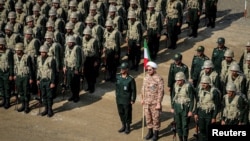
(134, 40)
(23, 76)
(182, 103)
(91, 49)
(154, 27)
(6, 73)
(151, 99)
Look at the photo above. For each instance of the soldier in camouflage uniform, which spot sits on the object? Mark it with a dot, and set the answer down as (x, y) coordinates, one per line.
(218, 54)
(234, 106)
(151, 99)
(176, 67)
(244, 55)
(125, 97)
(6, 73)
(44, 7)
(59, 22)
(154, 27)
(39, 20)
(194, 13)
(207, 106)
(97, 16)
(58, 36)
(69, 32)
(18, 27)
(37, 30)
(20, 14)
(73, 9)
(78, 25)
(83, 6)
(60, 12)
(3, 14)
(196, 65)
(90, 49)
(11, 37)
(121, 11)
(117, 20)
(246, 71)
(111, 51)
(208, 70)
(138, 11)
(100, 7)
(134, 40)
(23, 76)
(182, 103)
(46, 71)
(229, 59)
(238, 78)
(72, 65)
(211, 10)
(174, 21)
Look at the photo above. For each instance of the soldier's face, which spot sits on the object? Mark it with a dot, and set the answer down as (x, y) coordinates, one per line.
(133, 5)
(207, 70)
(248, 49)
(49, 40)
(43, 54)
(73, 8)
(179, 82)
(204, 85)
(234, 73)
(52, 17)
(124, 71)
(1, 6)
(199, 53)
(92, 12)
(109, 28)
(19, 52)
(28, 36)
(112, 14)
(30, 24)
(19, 11)
(90, 25)
(228, 59)
(248, 62)
(56, 5)
(151, 9)
(230, 93)
(12, 20)
(8, 32)
(50, 28)
(73, 20)
(40, 2)
(36, 13)
(2, 47)
(87, 36)
(132, 20)
(220, 45)
(70, 44)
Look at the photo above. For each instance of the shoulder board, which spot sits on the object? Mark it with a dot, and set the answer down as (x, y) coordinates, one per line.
(131, 76)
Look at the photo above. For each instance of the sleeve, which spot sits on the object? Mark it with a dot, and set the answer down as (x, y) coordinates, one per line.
(242, 107)
(96, 48)
(172, 97)
(186, 72)
(241, 61)
(53, 67)
(79, 58)
(11, 63)
(160, 90)
(30, 66)
(191, 93)
(197, 91)
(179, 8)
(37, 47)
(57, 57)
(139, 27)
(243, 85)
(216, 100)
(223, 105)
(117, 42)
(171, 76)
(192, 69)
(133, 90)
(159, 24)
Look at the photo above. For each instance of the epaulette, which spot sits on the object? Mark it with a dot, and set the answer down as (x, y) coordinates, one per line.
(131, 76)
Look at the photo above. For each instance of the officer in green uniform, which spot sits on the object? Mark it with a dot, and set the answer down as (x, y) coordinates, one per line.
(207, 106)
(125, 97)
(218, 54)
(211, 10)
(176, 67)
(6, 73)
(46, 74)
(73, 61)
(182, 103)
(197, 63)
(234, 106)
(23, 76)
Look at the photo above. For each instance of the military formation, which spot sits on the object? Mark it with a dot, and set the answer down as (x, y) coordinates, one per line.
(48, 44)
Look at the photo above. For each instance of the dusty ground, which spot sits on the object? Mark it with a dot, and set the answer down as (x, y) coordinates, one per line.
(95, 117)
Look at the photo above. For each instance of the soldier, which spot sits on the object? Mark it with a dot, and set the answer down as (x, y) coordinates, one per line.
(60, 12)
(134, 39)
(73, 9)
(174, 21)
(138, 11)
(90, 49)
(182, 103)
(37, 31)
(20, 14)
(244, 55)
(97, 16)
(218, 54)
(125, 97)
(194, 13)
(83, 6)
(3, 14)
(208, 70)
(117, 20)
(6, 73)
(234, 106)
(78, 25)
(229, 54)
(11, 37)
(176, 67)
(246, 69)
(211, 10)
(111, 50)
(151, 99)
(58, 36)
(120, 10)
(46, 71)
(154, 28)
(39, 20)
(238, 78)
(100, 7)
(44, 7)
(71, 67)
(18, 27)
(196, 65)
(69, 32)
(23, 76)
(10, 5)
(59, 22)
(207, 106)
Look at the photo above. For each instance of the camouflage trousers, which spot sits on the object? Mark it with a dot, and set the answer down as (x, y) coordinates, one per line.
(152, 117)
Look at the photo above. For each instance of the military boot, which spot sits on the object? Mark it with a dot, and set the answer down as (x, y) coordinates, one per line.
(45, 112)
(7, 103)
(21, 108)
(122, 129)
(149, 134)
(127, 129)
(27, 109)
(2, 102)
(50, 111)
(156, 135)
(180, 138)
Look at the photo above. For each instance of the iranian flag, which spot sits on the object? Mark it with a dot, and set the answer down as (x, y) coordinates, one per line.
(146, 53)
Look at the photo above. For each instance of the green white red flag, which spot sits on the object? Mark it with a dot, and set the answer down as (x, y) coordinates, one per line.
(146, 53)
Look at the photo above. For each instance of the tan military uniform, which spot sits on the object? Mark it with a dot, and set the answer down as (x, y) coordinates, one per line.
(225, 69)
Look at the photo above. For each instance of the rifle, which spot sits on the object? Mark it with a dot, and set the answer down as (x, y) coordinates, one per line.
(173, 129)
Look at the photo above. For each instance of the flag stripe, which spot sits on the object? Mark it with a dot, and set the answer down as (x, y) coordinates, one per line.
(146, 53)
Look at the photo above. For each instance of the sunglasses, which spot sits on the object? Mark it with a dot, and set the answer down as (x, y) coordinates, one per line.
(149, 69)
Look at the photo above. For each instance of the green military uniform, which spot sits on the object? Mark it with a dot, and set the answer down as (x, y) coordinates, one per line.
(182, 101)
(46, 75)
(176, 67)
(196, 65)
(125, 96)
(72, 65)
(174, 18)
(207, 107)
(211, 10)
(6, 71)
(23, 72)
(194, 13)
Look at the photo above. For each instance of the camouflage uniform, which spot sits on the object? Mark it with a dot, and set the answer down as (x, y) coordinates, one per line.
(97, 16)
(73, 9)
(69, 32)
(44, 7)
(60, 12)
(100, 7)
(138, 11)
(11, 37)
(242, 61)
(20, 14)
(39, 19)
(18, 27)
(37, 30)
(117, 20)
(78, 25)
(58, 36)
(3, 15)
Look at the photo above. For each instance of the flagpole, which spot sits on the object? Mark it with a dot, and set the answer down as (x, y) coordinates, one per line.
(245, 10)
(142, 134)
